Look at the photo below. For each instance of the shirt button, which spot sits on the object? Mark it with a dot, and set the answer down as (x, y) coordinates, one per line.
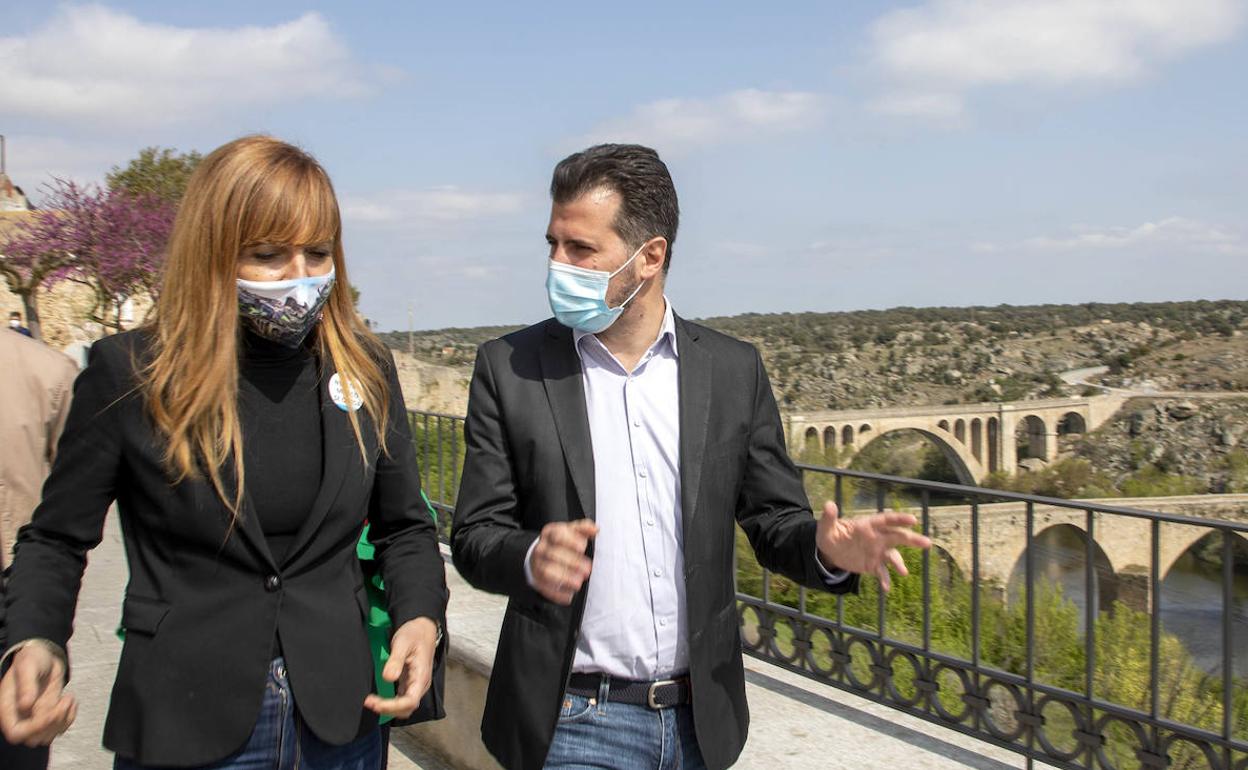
(662, 621)
(658, 572)
(650, 522)
(272, 583)
(636, 423)
(642, 473)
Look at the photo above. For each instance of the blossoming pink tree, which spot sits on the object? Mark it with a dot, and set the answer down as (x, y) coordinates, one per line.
(112, 241)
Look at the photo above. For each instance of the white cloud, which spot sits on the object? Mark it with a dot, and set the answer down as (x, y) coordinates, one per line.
(94, 63)
(678, 124)
(433, 205)
(1177, 235)
(34, 160)
(933, 54)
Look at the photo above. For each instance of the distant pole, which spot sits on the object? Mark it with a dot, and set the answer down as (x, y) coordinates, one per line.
(411, 345)
(3, 153)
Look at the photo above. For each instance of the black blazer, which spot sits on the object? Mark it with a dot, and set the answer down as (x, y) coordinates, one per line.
(530, 461)
(204, 599)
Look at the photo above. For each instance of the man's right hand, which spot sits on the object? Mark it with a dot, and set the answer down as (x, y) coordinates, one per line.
(33, 707)
(559, 566)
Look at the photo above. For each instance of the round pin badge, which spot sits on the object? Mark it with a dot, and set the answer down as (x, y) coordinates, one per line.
(340, 398)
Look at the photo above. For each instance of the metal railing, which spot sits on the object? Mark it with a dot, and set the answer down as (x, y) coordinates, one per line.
(1089, 687)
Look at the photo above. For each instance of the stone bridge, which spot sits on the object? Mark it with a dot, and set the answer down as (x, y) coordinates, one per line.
(1122, 544)
(977, 439)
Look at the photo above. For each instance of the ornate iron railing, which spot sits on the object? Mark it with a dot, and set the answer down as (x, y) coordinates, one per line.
(1106, 689)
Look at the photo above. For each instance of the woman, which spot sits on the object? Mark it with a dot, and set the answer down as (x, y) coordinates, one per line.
(245, 434)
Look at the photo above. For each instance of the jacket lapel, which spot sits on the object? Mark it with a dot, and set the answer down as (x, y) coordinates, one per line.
(339, 449)
(247, 524)
(565, 389)
(695, 405)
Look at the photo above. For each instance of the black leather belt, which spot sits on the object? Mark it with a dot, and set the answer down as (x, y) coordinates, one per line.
(660, 694)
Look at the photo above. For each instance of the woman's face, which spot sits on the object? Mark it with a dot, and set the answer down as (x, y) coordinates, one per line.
(276, 262)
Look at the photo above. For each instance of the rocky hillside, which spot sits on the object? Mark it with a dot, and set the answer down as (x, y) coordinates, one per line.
(909, 356)
(1203, 441)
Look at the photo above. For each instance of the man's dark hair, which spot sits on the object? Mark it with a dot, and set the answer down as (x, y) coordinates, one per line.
(648, 206)
(15, 314)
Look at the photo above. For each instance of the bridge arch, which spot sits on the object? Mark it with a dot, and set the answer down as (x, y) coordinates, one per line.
(811, 443)
(957, 455)
(977, 439)
(1031, 439)
(847, 436)
(1060, 558)
(829, 437)
(1071, 422)
(994, 444)
(1177, 543)
(959, 430)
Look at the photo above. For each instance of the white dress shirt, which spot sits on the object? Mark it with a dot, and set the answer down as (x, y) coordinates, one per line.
(634, 625)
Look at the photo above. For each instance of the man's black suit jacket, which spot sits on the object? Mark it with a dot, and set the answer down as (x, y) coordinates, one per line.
(530, 462)
(204, 597)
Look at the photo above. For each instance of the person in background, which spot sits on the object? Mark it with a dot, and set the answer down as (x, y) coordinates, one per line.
(611, 452)
(38, 387)
(245, 433)
(15, 323)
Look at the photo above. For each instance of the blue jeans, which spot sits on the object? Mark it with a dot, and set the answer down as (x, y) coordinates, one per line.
(281, 741)
(595, 734)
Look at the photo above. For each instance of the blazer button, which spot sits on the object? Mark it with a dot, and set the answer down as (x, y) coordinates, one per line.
(272, 583)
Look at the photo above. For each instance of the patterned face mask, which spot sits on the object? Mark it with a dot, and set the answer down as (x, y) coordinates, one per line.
(284, 311)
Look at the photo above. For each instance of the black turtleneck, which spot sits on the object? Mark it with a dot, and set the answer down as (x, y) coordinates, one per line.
(280, 412)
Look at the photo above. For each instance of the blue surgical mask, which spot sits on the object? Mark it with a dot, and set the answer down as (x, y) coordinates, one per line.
(578, 295)
(284, 311)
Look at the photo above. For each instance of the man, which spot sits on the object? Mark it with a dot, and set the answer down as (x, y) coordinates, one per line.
(15, 323)
(610, 451)
(32, 414)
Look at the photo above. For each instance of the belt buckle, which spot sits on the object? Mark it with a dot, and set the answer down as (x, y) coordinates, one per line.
(650, 693)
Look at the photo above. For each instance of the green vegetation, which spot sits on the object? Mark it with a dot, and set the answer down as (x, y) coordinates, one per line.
(162, 172)
(1075, 478)
(1237, 471)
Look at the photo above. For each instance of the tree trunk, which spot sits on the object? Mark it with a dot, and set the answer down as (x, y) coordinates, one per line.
(30, 304)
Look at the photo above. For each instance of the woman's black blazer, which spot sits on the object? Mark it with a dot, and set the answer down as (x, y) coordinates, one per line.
(204, 598)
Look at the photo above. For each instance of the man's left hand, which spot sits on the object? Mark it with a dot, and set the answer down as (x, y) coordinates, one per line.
(410, 667)
(867, 544)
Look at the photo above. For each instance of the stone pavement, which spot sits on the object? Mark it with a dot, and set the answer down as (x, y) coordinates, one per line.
(95, 648)
(796, 723)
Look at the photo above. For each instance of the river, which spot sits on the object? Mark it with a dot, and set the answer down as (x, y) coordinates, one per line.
(1191, 598)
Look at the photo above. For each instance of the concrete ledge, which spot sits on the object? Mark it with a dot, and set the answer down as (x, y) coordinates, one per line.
(473, 622)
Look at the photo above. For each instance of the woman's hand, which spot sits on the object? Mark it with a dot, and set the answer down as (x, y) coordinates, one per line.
(33, 707)
(410, 667)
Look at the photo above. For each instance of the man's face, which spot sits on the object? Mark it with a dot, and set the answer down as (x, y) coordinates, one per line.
(581, 233)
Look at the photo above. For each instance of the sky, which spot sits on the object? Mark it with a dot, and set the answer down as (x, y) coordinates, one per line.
(827, 156)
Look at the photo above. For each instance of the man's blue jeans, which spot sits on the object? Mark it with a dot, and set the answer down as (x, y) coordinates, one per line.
(594, 733)
(281, 741)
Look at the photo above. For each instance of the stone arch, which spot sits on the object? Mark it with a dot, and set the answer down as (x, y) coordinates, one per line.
(959, 430)
(1060, 558)
(956, 454)
(863, 429)
(994, 445)
(943, 425)
(1030, 438)
(847, 436)
(811, 444)
(1071, 422)
(946, 571)
(1176, 544)
(977, 439)
(1190, 585)
(829, 438)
